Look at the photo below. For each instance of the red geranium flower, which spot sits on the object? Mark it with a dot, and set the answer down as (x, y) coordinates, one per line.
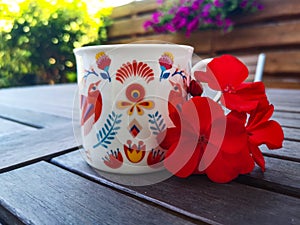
(194, 144)
(226, 74)
(227, 165)
(261, 130)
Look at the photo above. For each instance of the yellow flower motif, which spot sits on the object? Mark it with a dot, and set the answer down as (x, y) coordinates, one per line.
(170, 55)
(100, 54)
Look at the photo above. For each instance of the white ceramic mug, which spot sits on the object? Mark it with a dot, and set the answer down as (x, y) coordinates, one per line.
(126, 92)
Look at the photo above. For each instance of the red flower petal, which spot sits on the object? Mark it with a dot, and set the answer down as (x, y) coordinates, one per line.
(222, 72)
(261, 114)
(168, 137)
(269, 133)
(257, 156)
(199, 112)
(227, 167)
(245, 98)
(182, 159)
(235, 137)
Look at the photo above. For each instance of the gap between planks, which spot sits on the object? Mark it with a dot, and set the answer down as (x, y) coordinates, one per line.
(139, 196)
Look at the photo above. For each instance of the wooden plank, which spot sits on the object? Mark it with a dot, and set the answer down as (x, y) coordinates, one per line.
(201, 46)
(279, 34)
(45, 194)
(286, 122)
(281, 81)
(25, 147)
(128, 27)
(136, 7)
(284, 100)
(283, 62)
(281, 175)
(231, 203)
(288, 151)
(31, 118)
(273, 10)
(51, 99)
(8, 127)
(292, 116)
(292, 134)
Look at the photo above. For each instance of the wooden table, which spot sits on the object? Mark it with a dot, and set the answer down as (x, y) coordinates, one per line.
(44, 180)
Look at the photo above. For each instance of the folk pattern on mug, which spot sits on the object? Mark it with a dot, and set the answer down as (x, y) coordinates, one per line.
(113, 159)
(135, 69)
(103, 62)
(91, 108)
(135, 94)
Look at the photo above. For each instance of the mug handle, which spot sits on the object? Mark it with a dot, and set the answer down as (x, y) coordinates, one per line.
(207, 91)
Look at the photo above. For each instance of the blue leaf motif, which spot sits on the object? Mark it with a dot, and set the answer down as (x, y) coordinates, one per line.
(157, 123)
(110, 129)
(165, 75)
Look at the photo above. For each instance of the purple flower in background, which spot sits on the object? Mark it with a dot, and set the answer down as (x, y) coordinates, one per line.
(244, 3)
(183, 11)
(218, 3)
(179, 22)
(170, 28)
(196, 4)
(190, 15)
(205, 11)
(148, 24)
(156, 16)
(192, 26)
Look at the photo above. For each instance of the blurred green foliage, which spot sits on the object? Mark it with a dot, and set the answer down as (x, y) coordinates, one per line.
(37, 41)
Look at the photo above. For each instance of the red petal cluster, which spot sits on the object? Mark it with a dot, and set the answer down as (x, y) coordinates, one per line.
(206, 141)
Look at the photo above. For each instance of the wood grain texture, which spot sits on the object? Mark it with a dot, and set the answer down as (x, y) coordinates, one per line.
(128, 27)
(273, 10)
(31, 118)
(281, 62)
(136, 7)
(201, 46)
(8, 127)
(288, 151)
(55, 196)
(258, 36)
(55, 99)
(281, 176)
(231, 203)
(26, 147)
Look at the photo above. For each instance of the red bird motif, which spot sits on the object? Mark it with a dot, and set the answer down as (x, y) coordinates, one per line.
(176, 97)
(91, 107)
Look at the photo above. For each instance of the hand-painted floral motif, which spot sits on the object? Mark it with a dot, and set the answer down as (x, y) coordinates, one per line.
(114, 159)
(103, 62)
(165, 61)
(135, 93)
(135, 68)
(157, 123)
(135, 152)
(108, 132)
(155, 158)
(91, 107)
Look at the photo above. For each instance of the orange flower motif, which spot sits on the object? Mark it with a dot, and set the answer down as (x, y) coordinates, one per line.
(135, 93)
(135, 153)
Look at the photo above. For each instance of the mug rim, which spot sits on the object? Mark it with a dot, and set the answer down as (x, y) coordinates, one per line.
(114, 46)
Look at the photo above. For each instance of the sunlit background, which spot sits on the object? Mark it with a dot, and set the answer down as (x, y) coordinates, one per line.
(93, 6)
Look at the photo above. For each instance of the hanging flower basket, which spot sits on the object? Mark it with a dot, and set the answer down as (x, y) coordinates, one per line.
(191, 15)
